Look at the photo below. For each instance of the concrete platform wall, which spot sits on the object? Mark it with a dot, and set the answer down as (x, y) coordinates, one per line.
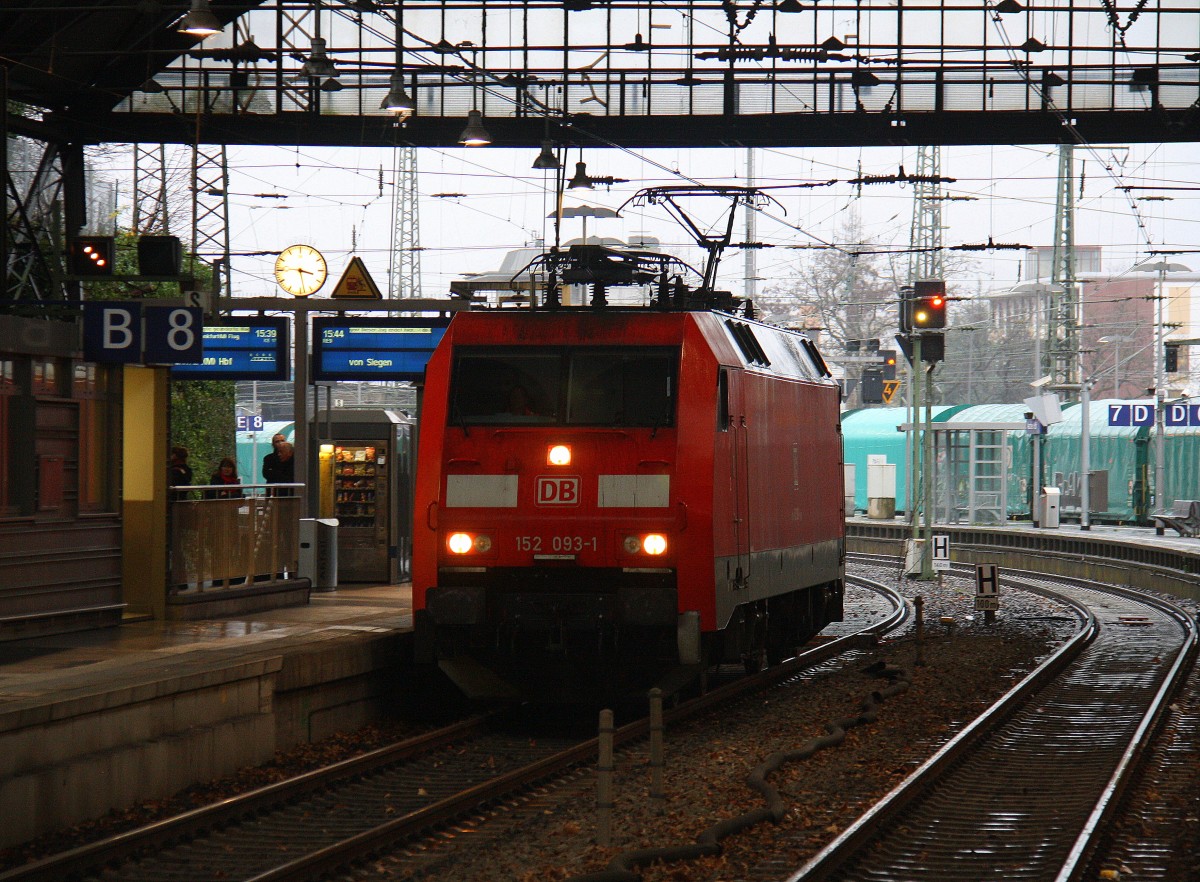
(152, 733)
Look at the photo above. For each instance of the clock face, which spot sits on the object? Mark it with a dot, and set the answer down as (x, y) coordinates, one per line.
(300, 270)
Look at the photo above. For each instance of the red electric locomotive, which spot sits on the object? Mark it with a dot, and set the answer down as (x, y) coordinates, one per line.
(606, 495)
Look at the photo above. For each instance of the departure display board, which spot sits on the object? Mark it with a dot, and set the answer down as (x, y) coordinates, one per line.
(374, 348)
(250, 348)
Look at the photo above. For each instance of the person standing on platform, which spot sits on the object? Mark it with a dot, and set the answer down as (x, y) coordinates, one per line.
(279, 466)
(270, 463)
(179, 473)
(225, 475)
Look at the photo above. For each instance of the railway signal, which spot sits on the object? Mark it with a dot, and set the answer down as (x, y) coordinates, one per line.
(889, 363)
(929, 304)
(906, 310)
(92, 255)
(933, 346)
(923, 306)
(1171, 358)
(872, 386)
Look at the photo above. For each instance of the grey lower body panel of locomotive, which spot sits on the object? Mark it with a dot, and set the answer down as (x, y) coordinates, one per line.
(761, 575)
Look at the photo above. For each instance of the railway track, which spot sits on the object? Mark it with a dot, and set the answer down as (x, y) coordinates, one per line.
(331, 818)
(1028, 790)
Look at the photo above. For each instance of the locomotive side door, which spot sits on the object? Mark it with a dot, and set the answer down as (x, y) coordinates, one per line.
(732, 394)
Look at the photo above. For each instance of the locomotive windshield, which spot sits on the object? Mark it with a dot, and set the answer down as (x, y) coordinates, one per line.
(581, 386)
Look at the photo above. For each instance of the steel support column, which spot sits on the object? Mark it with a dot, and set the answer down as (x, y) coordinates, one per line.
(1062, 336)
(404, 272)
(210, 211)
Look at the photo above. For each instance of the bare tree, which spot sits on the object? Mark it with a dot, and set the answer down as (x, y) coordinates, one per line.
(985, 363)
(847, 290)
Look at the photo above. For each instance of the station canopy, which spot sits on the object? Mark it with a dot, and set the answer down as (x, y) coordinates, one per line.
(628, 72)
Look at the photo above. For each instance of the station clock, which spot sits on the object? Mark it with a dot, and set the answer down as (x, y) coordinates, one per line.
(300, 270)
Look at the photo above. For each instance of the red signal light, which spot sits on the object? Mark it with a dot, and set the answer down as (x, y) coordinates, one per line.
(928, 309)
(91, 255)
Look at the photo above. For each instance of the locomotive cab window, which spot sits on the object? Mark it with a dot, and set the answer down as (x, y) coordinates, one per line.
(584, 386)
(505, 387)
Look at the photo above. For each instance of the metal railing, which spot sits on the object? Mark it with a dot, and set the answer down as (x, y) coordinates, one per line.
(232, 536)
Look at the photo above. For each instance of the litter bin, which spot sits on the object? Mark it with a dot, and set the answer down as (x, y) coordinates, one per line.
(1050, 506)
(318, 553)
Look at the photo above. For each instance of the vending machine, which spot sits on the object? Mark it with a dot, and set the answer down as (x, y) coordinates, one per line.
(367, 487)
(361, 505)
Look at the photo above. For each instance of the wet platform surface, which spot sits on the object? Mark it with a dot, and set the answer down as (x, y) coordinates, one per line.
(40, 665)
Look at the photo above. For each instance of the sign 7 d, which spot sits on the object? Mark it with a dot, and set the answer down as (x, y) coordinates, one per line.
(1131, 413)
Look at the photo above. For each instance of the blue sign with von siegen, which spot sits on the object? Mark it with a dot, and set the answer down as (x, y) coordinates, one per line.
(374, 349)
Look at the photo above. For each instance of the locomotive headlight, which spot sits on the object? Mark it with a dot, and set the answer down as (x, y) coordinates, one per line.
(460, 543)
(465, 543)
(558, 455)
(654, 544)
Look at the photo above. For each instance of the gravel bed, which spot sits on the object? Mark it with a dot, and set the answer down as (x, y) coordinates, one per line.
(967, 665)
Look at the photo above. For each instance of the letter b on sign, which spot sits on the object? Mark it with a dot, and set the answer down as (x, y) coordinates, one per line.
(558, 491)
(112, 332)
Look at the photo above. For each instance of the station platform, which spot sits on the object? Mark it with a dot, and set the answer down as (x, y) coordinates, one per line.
(96, 720)
(1134, 556)
(47, 666)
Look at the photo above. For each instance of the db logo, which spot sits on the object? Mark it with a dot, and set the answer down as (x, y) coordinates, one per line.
(558, 491)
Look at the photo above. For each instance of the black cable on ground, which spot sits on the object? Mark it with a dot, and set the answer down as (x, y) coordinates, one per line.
(621, 868)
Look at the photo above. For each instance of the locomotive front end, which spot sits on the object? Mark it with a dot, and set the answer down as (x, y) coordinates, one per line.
(553, 540)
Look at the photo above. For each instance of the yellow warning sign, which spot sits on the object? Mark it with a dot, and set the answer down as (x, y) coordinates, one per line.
(889, 389)
(356, 282)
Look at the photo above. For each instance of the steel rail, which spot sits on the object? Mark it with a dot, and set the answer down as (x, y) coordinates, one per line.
(1139, 747)
(834, 860)
(857, 835)
(123, 846)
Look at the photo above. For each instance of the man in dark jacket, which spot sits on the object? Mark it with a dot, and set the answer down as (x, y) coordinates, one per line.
(179, 473)
(278, 466)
